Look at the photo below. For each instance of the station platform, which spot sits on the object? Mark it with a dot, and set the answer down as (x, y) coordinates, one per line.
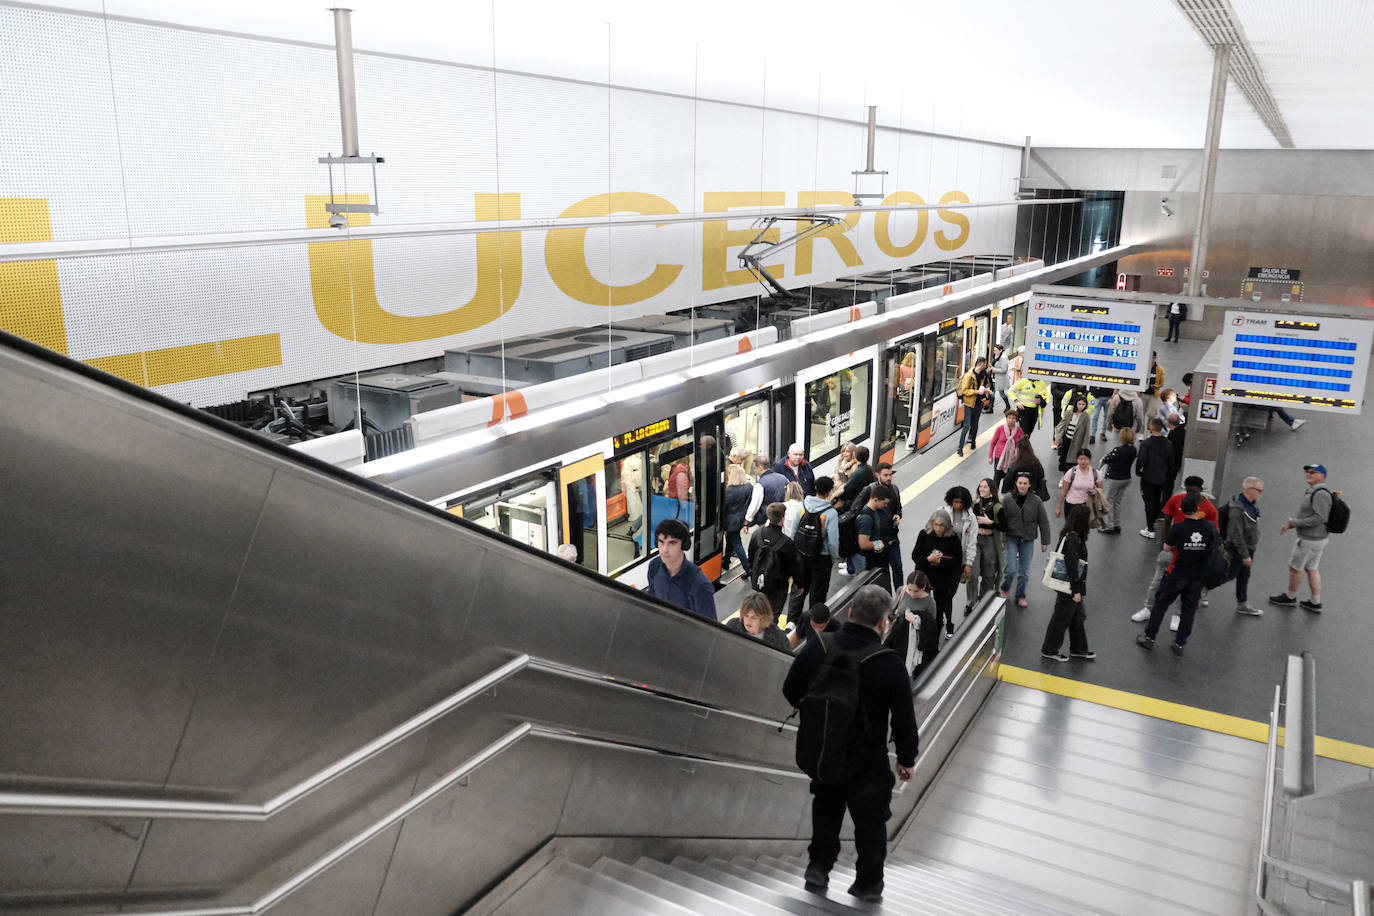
(1233, 661)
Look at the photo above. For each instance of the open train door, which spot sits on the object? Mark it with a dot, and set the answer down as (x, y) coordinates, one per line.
(709, 433)
(582, 509)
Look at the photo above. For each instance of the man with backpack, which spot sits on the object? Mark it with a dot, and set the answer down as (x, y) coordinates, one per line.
(890, 517)
(773, 559)
(868, 524)
(815, 534)
(1320, 514)
(848, 687)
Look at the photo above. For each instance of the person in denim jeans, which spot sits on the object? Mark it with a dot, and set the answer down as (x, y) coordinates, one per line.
(1023, 514)
(1097, 414)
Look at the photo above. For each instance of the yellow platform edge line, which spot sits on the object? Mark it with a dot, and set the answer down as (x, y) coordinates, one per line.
(1175, 712)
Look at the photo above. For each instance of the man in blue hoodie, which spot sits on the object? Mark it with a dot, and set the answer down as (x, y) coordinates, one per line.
(817, 550)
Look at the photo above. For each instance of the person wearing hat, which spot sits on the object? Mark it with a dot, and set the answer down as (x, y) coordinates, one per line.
(1310, 524)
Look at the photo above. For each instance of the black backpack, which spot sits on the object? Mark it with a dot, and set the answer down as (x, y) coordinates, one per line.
(833, 726)
(1338, 519)
(849, 531)
(1216, 571)
(1123, 415)
(765, 567)
(1224, 519)
(810, 534)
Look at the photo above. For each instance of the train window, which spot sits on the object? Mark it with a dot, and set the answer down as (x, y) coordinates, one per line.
(946, 369)
(836, 411)
(519, 510)
(746, 427)
(642, 489)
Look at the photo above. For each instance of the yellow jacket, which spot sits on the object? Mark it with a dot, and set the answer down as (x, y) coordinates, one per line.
(968, 388)
(1025, 391)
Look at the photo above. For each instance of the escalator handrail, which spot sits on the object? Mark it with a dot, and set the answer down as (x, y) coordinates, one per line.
(460, 772)
(77, 805)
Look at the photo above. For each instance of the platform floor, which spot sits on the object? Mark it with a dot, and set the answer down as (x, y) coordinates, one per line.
(1232, 662)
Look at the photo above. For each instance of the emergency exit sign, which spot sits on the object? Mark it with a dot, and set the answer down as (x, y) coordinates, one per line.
(1164, 271)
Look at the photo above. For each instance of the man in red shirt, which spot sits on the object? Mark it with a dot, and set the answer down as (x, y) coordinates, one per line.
(1172, 514)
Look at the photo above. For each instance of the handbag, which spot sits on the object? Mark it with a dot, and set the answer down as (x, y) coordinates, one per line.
(1056, 575)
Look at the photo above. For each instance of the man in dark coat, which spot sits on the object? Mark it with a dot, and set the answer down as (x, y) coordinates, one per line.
(794, 467)
(885, 692)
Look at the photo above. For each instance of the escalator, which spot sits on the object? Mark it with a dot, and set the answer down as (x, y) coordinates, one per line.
(240, 681)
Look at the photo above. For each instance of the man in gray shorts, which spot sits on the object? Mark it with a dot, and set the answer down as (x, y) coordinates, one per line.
(1310, 524)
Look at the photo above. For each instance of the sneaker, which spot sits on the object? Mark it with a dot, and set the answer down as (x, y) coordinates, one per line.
(868, 893)
(1145, 642)
(1005, 593)
(959, 452)
(949, 628)
(1313, 606)
(1203, 601)
(1297, 425)
(1055, 656)
(1173, 624)
(1141, 615)
(1086, 656)
(1115, 529)
(1282, 600)
(1147, 533)
(815, 879)
(1176, 648)
(1020, 602)
(842, 569)
(1248, 610)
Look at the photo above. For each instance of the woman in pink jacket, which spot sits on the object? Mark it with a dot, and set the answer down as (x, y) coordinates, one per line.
(1003, 437)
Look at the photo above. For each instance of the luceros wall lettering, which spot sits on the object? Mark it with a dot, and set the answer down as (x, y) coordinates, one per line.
(196, 158)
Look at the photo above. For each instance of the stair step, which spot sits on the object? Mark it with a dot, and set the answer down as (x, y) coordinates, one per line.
(684, 896)
(797, 899)
(737, 893)
(896, 896)
(564, 887)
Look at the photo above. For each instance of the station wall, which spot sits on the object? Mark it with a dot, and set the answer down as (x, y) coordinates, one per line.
(1307, 210)
(127, 131)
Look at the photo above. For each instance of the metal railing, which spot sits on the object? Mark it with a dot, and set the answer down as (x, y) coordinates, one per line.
(1299, 764)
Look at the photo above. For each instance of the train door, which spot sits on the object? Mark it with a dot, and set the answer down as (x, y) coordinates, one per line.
(784, 417)
(903, 385)
(981, 339)
(709, 432)
(580, 486)
(748, 425)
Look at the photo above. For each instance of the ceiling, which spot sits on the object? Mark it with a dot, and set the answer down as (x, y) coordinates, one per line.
(1084, 73)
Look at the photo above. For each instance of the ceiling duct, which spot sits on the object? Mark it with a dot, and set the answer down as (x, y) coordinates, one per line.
(1218, 24)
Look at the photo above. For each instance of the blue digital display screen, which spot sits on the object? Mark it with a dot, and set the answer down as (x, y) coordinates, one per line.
(1092, 348)
(1287, 362)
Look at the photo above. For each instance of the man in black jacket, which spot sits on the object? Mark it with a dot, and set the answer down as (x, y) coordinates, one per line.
(1177, 434)
(885, 693)
(773, 576)
(1153, 460)
(1192, 540)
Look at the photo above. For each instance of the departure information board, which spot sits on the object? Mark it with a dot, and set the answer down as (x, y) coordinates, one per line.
(1097, 341)
(1307, 361)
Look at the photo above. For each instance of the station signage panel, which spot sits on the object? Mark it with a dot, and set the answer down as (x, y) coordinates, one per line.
(1310, 362)
(637, 437)
(1097, 341)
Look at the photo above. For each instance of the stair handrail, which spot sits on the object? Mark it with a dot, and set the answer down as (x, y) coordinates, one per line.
(83, 805)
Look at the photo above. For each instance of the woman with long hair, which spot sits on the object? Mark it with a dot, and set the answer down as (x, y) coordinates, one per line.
(738, 492)
(987, 564)
(1068, 608)
(939, 553)
(1026, 463)
(1118, 466)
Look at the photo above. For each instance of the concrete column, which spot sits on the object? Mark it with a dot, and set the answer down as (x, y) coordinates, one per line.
(1221, 66)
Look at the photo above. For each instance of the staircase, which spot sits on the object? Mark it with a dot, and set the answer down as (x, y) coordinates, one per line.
(767, 886)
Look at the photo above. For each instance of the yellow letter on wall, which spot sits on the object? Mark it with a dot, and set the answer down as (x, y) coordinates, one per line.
(30, 296)
(565, 252)
(882, 232)
(344, 286)
(716, 238)
(954, 217)
(833, 234)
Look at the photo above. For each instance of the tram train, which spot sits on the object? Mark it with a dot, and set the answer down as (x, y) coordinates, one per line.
(606, 497)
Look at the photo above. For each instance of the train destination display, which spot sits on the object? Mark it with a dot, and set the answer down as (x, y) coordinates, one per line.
(1306, 361)
(1097, 341)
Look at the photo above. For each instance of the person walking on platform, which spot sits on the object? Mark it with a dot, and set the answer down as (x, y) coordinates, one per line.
(959, 502)
(794, 467)
(872, 547)
(1192, 540)
(1170, 515)
(1071, 434)
(973, 389)
(676, 579)
(1078, 482)
(1023, 515)
(757, 620)
(1001, 374)
(987, 563)
(1125, 410)
(1242, 537)
(1310, 524)
(891, 519)
(1068, 608)
(855, 776)
(738, 492)
(1177, 313)
(773, 560)
(1153, 461)
(1031, 395)
(1027, 463)
(861, 477)
(1177, 435)
(915, 630)
(816, 537)
(1097, 426)
(769, 487)
(1116, 466)
(939, 553)
(1004, 437)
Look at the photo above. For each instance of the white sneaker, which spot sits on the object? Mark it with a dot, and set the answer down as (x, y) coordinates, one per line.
(1203, 601)
(1141, 615)
(1297, 425)
(1147, 533)
(842, 569)
(1173, 624)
